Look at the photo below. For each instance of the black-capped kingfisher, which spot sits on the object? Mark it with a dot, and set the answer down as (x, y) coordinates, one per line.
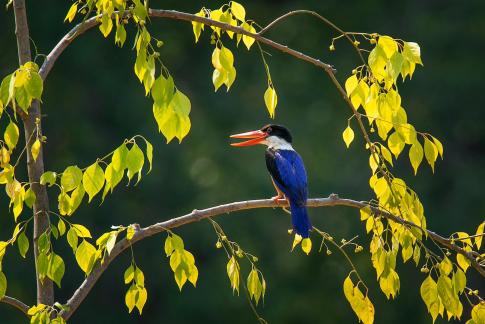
(286, 169)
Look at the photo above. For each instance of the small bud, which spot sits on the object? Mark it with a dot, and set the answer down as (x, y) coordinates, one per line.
(343, 241)
(475, 292)
(83, 11)
(239, 253)
(329, 252)
(448, 253)
(356, 43)
(424, 269)
(156, 54)
(330, 238)
(218, 244)
(255, 259)
(224, 238)
(142, 22)
(364, 79)
(125, 21)
(354, 71)
(372, 130)
(159, 43)
(290, 231)
(372, 41)
(331, 47)
(358, 249)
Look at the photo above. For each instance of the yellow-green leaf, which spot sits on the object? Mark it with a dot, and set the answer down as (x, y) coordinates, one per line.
(11, 135)
(233, 273)
(197, 27)
(35, 149)
(23, 244)
(93, 180)
(388, 45)
(348, 136)
(3, 284)
(429, 294)
(238, 10)
(71, 178)
(48, 178)
(416, 155)
(81, 231)
(271, 100)
(86, 256)
(248, 40)
(254, 285)
(463, 262)
(120, 36)
(395, 143)
(134, 161)
(430, 152)
(412, 52)
(350, 84)
(479, 235)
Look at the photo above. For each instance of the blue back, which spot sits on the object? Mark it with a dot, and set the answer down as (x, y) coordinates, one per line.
(292, 179)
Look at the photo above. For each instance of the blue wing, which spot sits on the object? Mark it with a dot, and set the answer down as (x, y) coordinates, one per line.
(288, 172)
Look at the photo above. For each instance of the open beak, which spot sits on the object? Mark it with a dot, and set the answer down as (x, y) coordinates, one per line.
(256, 138)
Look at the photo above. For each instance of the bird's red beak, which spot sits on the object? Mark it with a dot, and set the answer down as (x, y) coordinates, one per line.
(256, 138)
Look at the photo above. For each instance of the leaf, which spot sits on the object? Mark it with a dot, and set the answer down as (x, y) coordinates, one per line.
(362, 306)
(134, 161)
(271, 100)
(149, 153)
(226, 58)
(130, 297)
(35, 85)
(23, 243)
(412, 52)
(93, 180)
(462, 261)
(248, 40)
(351, 84)
(388, 45)
(254, 285)
(129, 274)
(71, 178)
(71, 13)
(429, 294)
(479, 235)
(29, 198)
(306, 245)
(142, 298)
(168, 247)
(130, 232)
(459, 281)
(447, 295)
(348, 136)
(163, 90)
(446, 267)
(416, 155)
(72, 238)
(76, 198)
(48, 178)
(197, 27)
(173, 120)
(86, 256)
(61, 226)
(81, 231)
(439, 146)
(11, 135)
(120, 35)
(396, 144)
(56, 269)
(35, 149)
(233, 273)
(478, 313)
(238, 10)
(430, 152)
(3, 284)
(106, 25)
(110, 244)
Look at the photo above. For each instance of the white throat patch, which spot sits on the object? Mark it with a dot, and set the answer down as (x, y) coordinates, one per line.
(277, 143)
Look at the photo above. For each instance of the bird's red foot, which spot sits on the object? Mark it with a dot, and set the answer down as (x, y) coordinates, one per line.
(277, 198)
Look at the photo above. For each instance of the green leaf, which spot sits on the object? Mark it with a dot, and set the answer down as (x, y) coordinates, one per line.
(23, 243)
(3, 284)
(86, 256)
(445, 266)
(71, 178)
(348, 136)
(168, 247)
(431, 152)
(416, 155)
(93, 180)
(396, 144)
(61, 226)
(238, 10)
(149, 153)
(118, 160)
(395, 66)
(56, 269)
(173, 120)
(29, 198)
(459, 281)
(129, 274)
(254, 285)
(271, 100)
(447, 295)
(120, 36)
(76, 198)
(34, 86)
(42, 265)
(134, 161)
(81, 231)
(11, 135)
(233, 273)
(412, 52)
(63, 203)
(72, 238)
(163, 90)
(429, 294)
(48, 178)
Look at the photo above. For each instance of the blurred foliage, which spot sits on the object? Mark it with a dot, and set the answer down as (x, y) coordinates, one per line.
(92, 101)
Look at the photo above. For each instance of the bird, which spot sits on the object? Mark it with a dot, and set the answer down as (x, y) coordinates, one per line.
(287, 171)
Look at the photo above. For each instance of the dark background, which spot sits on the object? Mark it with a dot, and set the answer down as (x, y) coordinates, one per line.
(92, 101)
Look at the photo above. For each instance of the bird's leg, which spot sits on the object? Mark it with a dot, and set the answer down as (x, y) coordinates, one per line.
(280, 194)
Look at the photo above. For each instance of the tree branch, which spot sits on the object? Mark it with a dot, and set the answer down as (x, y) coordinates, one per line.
(177, 15)
(35, 168)
(15, 303)
(141, 233)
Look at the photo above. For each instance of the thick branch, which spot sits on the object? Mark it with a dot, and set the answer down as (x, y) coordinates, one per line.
(141, 233)
(15, 303)
(35, 168)
(172, 14)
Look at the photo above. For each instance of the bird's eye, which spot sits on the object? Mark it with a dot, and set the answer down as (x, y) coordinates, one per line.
(268, 130)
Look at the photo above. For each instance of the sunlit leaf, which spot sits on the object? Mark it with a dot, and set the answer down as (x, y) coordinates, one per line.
(93, 180)
(348, 136)
(271, 100)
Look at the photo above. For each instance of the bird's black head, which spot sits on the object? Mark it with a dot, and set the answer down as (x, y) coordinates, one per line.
(278, 131)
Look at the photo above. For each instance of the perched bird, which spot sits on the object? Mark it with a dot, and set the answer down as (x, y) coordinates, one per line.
(286, 169)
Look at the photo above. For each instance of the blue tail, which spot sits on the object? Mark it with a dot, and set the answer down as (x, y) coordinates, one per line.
(300, 220)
